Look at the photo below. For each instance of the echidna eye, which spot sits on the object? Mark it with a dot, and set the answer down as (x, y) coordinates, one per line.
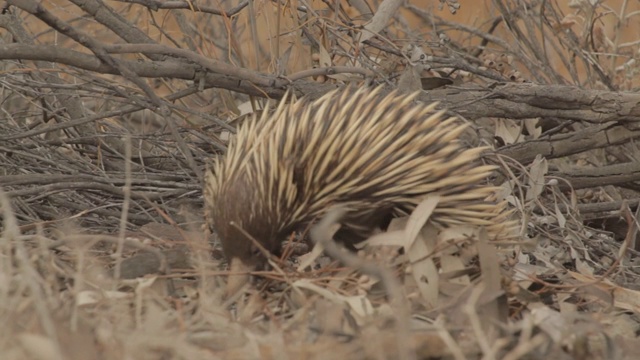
(422, 57)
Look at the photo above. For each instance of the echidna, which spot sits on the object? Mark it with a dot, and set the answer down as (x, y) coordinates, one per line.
(372, 153)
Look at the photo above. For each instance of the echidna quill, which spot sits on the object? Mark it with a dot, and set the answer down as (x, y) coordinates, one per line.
(374, 154)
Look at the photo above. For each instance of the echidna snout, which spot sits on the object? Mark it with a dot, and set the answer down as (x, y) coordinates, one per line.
(369, 152)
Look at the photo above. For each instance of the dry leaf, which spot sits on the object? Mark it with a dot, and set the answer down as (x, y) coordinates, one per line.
(550, 321)
(539, 168)
(359, 304)
(450, 263)
(385, 12)
(40, 347)
(239, 278)
(496, 309)
(532, 127)
(325, 58)
(562, 221)
(308, 259)
(418, 218)
(424, 269)
(509, 131)
(623, 298)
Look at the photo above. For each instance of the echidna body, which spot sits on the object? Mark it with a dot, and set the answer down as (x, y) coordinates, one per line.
(371, 153)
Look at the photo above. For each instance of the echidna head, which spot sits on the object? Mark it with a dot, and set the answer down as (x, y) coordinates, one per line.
(232, 211)
(240, 219)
